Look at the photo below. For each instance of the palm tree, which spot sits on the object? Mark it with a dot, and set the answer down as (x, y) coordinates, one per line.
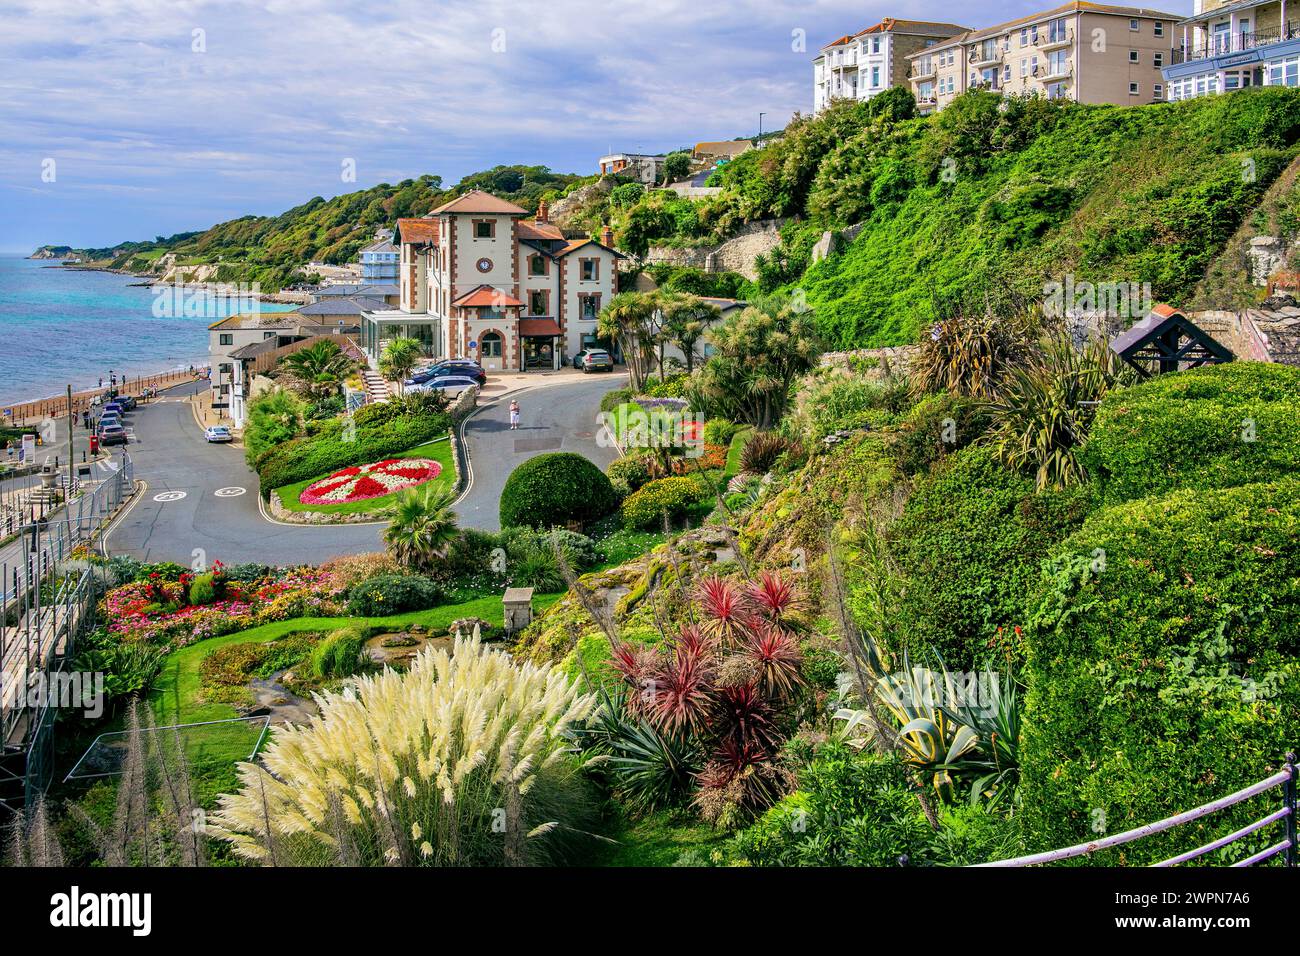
(422, 525)
(320, 368)
(684, 320)
(628, 318)
(399, 360)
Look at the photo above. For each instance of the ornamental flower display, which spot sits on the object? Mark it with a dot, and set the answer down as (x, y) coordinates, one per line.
(370, 481)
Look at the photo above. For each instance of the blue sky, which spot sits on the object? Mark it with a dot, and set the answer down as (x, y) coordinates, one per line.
(161, 116)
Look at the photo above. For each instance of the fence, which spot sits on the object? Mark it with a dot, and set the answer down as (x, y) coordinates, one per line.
(45, 607)
(1284, 779)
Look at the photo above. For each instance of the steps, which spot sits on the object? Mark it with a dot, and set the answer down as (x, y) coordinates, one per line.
(376, 387)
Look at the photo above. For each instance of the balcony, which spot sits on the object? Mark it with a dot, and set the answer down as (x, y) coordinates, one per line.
(1054, 74)
(920, 72)
(1236, 43)
(1051, 41)
(984, 57)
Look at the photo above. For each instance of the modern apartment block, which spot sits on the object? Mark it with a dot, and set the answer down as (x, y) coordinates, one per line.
(479, 280)
(379, 260)
(860, 65)
(1231, 46)
(1086, 52)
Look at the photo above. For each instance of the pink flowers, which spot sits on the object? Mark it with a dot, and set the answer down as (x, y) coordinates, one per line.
(370, 481)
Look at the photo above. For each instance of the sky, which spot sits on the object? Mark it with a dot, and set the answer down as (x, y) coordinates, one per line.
(128, 119)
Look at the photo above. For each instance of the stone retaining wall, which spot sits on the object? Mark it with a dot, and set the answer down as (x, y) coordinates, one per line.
(737, 254)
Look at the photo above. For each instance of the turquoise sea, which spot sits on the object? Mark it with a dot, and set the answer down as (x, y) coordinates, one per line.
(61, 326)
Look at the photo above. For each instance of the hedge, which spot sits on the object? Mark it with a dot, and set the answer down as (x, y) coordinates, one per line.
(969, 544)
(554, 489)
(1162, 668)
(1212, 427)
(388, 594)
(315, 456)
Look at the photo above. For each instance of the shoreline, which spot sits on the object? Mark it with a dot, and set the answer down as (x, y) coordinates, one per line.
(152, 279)
(56, 406)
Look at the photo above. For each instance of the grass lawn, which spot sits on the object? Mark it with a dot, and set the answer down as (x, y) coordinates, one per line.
(733, 452)
(656, 840)
(438, 450)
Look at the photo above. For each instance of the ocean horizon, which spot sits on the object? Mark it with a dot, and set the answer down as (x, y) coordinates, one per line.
(62, 326)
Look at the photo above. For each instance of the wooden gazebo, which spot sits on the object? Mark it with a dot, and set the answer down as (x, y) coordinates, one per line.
(1167, 340)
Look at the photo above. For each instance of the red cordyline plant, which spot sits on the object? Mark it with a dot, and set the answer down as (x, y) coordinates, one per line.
(724, 685)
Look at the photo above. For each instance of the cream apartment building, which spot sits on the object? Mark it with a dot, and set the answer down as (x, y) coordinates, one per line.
(1232, 46)
(860, 65)
(1086, 52)
(478, 280)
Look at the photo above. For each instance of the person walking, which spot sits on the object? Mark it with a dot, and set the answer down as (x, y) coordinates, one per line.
(514, 414)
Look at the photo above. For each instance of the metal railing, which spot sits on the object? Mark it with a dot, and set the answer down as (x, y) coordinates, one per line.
(1236, 43)
(1284, 779)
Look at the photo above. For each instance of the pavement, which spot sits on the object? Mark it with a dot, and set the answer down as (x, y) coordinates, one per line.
(201, 499)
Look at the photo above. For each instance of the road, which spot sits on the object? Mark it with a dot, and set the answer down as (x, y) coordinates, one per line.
(203, 498)
(552, 418)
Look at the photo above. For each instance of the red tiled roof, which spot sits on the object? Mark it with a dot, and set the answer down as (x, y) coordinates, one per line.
(478, 201)
(486, 295)
(418, 230)
(531, 229)
(539, 327)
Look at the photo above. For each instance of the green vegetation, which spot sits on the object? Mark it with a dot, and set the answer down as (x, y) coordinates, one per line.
(393, 594)
(555, 489)
(438, 450)
(664, 499)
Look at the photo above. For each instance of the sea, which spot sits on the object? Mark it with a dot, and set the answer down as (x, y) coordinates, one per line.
(62, 326)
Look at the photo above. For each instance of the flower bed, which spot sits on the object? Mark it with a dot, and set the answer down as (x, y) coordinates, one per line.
(363, 482)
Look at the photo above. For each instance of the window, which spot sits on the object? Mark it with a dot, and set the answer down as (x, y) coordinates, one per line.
(1158, 91)
(590, 269)
(485, 228)
(875, 77)
(539, 302)
(1133, 25)
(225, 368)
(1158, 60)
(1133, 56)
(1024, 67)
(537, 265)
(490, 345)
(1006, 73)
(589, 305)
(875, 44)
(1132, 89)
(1159, 28)
(226, 339)
(1024, 36)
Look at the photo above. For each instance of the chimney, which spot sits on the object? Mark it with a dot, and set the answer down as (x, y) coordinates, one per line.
(607, 237)
(543, 211)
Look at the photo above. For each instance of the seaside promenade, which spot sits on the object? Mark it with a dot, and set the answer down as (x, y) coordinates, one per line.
(56, 407)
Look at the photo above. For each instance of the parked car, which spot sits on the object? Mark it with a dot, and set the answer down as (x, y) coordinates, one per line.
(451, 385)
(127, 401)
(112, 435)
(110, 418)
(594, 360)
(466, 367)
(116, 407)
(216, 433)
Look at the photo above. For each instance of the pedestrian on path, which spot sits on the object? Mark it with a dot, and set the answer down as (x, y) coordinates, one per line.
(514, 414)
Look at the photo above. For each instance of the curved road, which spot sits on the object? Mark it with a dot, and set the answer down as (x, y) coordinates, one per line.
(203, 497)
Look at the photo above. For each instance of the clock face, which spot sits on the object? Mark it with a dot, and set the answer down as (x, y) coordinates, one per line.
(484, 265)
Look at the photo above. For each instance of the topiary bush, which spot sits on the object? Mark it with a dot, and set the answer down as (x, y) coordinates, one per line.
(1162, 661)
(554, 489)
(969, 544)
(1212, 427)
(393, 594)
(675, 496)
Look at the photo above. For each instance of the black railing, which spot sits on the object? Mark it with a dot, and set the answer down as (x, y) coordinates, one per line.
(1236, 43)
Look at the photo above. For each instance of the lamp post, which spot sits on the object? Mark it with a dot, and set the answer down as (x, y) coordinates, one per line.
(760, 129)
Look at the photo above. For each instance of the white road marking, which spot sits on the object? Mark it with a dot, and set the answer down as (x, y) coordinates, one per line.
(232, 492)
(169, 496)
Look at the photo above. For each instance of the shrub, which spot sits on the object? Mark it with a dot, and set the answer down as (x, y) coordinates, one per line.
(1162, 668)
(969, 544)
(274, 418)
(851, 809)
(554, 489)
(629, 473)
(674, 496)
(393, 594)
(762, 451)
(970, 355)
(718, 431)
(202, 589)
(611, 400)
(1211, 427)
(347, 571)
(938, 425)
(672, 386)
(503, 726)
(845, 402)
(339, 653)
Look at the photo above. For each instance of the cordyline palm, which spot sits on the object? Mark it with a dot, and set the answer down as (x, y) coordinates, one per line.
(422, 526)
(320, 367)
(629, 319)
(684, 320)
(399, 360)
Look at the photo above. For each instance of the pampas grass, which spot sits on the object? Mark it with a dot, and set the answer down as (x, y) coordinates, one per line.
(461, 761)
